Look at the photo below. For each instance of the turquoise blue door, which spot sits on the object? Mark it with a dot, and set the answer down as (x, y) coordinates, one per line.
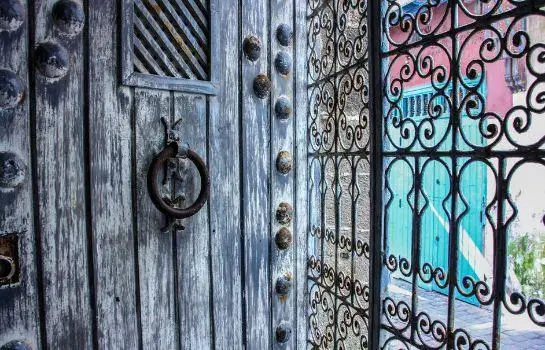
(435, 199)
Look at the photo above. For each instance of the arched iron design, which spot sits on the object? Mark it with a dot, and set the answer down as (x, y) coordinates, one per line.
(452, 154)
(338, 168)
(452, 149)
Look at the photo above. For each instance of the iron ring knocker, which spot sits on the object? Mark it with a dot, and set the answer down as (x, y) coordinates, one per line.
(156, 167)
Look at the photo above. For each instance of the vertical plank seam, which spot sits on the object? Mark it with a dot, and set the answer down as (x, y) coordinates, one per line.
(174, 250)
(31, 14)
(241, 182)
(271, 205)
(120, 56)
(295, 152)
(210, 236)
(295, 231)
(135, 223)
(87, 176)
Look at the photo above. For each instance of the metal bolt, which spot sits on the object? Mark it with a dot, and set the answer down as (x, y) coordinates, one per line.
(52, 60)
(284, 34)
(252, 48)
(12, 170)
(283, 285)
(284, 162)
(284, 213)
(262, 86)
(283, 333)
(282, 63)
(283, 238)
(68, 17)
(11, 89)
(283, 108)
(11, 15)
(16, 345)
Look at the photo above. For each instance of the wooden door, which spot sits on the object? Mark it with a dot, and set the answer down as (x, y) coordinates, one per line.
(86, 90)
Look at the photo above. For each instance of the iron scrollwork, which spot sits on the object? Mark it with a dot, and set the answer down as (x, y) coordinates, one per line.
(463, 84)
(338, 164)
(458, 139)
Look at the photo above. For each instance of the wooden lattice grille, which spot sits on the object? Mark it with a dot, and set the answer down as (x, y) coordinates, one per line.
(171, 38)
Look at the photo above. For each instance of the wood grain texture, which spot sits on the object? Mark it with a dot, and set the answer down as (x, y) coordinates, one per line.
(224, 201)
(301, 172)
(18, 304)
(209, 286)
(192, 251)
(282, 185)
(60, 174)
(155, 264)
(255, 180)
(110, 184)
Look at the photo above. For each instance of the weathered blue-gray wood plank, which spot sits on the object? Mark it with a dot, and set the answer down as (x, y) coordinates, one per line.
(110, 150)
(224, 201)
(155, 264)
(61, 189)
(192, 244)
(256, 179)
(283, 264)
(18, 304)
(301, 172)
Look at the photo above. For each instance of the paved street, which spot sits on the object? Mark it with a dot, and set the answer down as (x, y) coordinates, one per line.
(518, 331)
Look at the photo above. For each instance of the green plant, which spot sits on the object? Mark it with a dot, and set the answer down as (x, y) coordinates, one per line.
(527, 252)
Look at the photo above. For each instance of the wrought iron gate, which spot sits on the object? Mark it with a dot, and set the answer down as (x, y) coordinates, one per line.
(452, 171)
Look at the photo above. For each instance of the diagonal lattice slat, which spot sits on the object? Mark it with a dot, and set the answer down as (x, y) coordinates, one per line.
(171, 38)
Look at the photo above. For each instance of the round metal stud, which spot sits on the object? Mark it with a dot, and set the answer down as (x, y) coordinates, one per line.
(282, 62)
(16, 345)
(283, 238)
(52, 60)
(283, 333)
(284, 34)
(252, 48)
(11, 89)
(284, 213)
(284, 162)
(11, 15)
(283, 285)
(12, 170)
(68, 16)
(262, 86)
(283, 108)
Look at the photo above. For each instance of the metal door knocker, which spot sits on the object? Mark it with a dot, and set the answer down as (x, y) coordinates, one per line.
(171, 155)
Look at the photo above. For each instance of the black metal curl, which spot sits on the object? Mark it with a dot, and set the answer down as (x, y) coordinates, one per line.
(398, 315)
(433, 334)
(463, 341)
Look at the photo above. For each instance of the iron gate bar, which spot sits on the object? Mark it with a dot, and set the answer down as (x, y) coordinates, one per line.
(453, 235)
(377, 173)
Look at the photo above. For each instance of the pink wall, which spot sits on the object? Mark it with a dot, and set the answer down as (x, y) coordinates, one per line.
(499, 97)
